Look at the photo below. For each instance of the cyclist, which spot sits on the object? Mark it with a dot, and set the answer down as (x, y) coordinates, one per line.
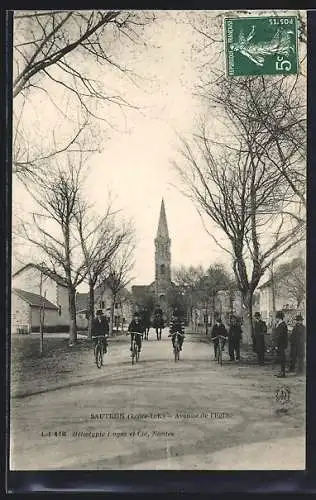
(136, 326)
(176, 327)
(218, 329)
(100, 328)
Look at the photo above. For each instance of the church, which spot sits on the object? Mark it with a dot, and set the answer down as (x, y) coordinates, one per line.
(158, 292)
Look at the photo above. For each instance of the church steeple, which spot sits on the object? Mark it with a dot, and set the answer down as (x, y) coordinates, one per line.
(162, 259)
(162, 225)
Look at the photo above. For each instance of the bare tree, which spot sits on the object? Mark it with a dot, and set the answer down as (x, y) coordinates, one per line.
(235, 183)
(117, 275)
(52, 230)
(100, 239)
(51, 51)
(187, 280)
(279, 109)
(291, 276)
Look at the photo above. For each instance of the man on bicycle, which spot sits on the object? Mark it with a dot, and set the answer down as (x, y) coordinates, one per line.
(100, 328)
(136, 326)
(176, 327)
(218, 330)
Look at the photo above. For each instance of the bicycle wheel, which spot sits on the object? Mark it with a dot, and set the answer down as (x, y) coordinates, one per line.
(98, 356)
(220, 354)
(134, 353)
(137, 354)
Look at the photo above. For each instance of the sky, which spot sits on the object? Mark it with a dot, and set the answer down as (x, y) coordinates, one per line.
(135, 161)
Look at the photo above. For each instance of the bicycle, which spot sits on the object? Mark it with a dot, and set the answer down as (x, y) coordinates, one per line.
(99, 351)
(219, 350)
(135, 351)
(176, 346)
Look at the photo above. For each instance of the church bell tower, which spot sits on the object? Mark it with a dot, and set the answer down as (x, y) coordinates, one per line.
(162, 259)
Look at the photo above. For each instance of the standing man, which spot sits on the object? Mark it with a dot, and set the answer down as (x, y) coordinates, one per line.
(234, 338)
(297, 341)
(218, 330)
(100, 328)
(281, 336)
(260, 329)
(158, 322)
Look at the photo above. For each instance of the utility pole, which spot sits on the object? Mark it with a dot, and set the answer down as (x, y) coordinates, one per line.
(42, 313)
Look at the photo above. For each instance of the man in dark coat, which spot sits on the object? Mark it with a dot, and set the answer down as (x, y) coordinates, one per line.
(100, 328)
(146, 322)
(136, 326)
(281, 338)
(260, 329)
(158, 322)
(234, 338)
(176, 326)
(297, 341)
(218, 330)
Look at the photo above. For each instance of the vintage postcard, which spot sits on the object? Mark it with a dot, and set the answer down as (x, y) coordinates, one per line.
(158, 240)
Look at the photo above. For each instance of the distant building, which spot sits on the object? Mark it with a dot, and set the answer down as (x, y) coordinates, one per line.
(26, 300)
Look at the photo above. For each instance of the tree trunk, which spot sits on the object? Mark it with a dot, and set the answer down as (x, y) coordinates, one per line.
(72, 312)
(91, 309)
(206, 318)
(248, 324)
(112, 315)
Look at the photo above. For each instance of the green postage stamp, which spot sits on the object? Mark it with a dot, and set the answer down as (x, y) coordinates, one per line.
(264, 45)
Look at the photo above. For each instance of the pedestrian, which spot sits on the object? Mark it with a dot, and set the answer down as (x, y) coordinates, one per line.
(218, 329)
(234, 338)
(281, 337)
(297, 342)
(260, 329)
(158, 322)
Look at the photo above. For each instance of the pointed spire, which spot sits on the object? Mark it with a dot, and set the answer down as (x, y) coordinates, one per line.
(162, 226)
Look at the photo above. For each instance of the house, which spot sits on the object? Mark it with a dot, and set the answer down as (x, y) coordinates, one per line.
(27, 297)
(123, 308)
(275, 298)
(26, 311)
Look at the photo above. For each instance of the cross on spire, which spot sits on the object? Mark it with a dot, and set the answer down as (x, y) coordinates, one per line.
(162, 225)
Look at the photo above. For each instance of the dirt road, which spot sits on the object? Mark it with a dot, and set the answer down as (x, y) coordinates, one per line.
(160, 414)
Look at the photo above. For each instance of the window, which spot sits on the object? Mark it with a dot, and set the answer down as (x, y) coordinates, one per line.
(116, 306)
(101, 304)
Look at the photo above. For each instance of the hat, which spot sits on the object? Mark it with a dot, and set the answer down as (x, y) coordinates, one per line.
(257, 314)
(99, 312)
(299, 317)
(218, 319)
(279, 315)
(136, 314)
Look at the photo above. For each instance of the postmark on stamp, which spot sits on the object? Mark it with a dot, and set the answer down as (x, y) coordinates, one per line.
(265, 45)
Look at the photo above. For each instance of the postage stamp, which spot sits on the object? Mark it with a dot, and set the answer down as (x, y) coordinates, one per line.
(264, 45)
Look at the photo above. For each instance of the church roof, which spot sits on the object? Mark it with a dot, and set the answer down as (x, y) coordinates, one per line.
(162, 225)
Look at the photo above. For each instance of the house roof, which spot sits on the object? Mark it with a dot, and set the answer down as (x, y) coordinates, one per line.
(45, 271)
(34, 299)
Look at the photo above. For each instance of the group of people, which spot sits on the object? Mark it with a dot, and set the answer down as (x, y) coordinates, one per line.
(280, 335)
(138, 326)
(281, 339)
